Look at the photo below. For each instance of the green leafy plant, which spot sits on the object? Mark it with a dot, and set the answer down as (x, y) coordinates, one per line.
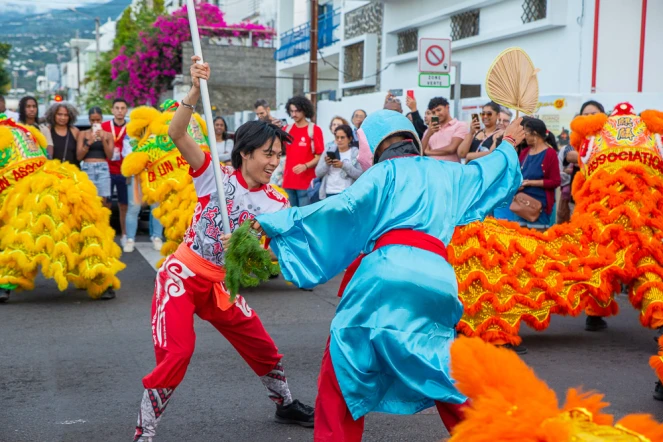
(248, 263)
(5, 78)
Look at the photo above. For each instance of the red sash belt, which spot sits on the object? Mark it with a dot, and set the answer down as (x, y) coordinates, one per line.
(402, 237)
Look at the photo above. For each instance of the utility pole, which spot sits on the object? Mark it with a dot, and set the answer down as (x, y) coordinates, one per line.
(313, 65)
(78, 74)
(96, 29)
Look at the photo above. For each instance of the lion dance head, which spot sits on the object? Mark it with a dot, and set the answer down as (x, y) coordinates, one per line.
(159, 168)
(22, 151)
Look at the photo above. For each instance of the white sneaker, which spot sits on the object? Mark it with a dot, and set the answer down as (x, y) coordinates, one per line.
(123, 240)
(129, 246)
(157, 243)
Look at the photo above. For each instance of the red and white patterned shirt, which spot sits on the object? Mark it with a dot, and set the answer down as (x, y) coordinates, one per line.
(204, 234)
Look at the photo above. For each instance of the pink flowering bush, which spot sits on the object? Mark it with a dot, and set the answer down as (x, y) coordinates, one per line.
(140, 76)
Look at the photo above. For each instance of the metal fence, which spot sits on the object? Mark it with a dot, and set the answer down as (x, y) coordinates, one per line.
(297, 41)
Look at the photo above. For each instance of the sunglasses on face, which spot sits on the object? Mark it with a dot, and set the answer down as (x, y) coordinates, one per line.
(487, 114)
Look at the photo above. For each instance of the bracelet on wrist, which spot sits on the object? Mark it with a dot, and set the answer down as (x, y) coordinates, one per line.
(187, 105)
(509, 139)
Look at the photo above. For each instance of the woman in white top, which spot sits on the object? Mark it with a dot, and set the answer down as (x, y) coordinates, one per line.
(224, 145)
(339, 167)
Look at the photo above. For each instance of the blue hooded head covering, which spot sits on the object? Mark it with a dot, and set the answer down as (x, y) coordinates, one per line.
(377, 127)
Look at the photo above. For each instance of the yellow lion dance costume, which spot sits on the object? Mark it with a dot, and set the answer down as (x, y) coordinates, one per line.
(507, 274)
(160, 169)
(51, 216)
(509, 403)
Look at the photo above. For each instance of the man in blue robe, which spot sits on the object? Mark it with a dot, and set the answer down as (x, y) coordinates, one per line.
(389, 342)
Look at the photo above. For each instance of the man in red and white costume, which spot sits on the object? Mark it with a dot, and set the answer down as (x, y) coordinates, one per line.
(190, 281)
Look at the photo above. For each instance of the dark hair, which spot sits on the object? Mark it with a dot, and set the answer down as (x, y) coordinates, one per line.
(260, 102)
(437, 101)
(2, 98)
(71, 110)
(594, 103)
(301, 103)
(95, 110)
(224, 135)
(252, 135)
(494, 106)
(359, 110)
(21, 108)
(120, 100)
(539, 127)
(346, 129)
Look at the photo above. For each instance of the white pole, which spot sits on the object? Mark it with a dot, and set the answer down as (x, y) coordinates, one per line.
(207, 108)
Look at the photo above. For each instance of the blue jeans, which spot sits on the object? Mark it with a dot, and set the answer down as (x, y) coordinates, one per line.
(99, 174)
(298, 198)
(505, 213)
(131, 222)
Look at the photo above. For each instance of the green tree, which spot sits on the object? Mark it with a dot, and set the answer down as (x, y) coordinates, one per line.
(132, 22)
(5, 77)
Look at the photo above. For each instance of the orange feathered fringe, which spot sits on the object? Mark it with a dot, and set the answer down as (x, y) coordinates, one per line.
(656, 362)
(508, 274)
(509, 403)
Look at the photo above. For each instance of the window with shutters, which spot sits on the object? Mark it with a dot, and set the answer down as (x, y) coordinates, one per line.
(353, 65)
(534, 10)
(408, 41)
(464, 25)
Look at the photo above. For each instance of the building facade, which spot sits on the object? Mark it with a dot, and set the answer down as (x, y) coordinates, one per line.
(601, 49)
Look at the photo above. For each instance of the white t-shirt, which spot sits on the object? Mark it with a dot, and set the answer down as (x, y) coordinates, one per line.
(11, 114)
(204, 234)
(337, 182)
(225, 149)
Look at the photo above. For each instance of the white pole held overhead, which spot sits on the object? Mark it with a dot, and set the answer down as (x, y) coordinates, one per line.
(209, 120)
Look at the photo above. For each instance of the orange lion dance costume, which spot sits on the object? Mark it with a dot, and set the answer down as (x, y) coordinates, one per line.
(508, 402)
(508, 274)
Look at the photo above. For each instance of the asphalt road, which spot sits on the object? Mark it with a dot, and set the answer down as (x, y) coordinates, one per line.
(71, 368)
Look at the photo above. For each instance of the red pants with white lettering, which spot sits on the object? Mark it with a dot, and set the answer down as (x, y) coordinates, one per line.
(178, 294)
(333, 421)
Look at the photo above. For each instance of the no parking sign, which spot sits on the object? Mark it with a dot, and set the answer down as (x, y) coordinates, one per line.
(435, 55)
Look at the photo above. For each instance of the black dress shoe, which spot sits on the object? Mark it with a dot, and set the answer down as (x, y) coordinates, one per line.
(296, 413)
(595, 323)
(658, 391)
(4, 295)
(519, 349)
(108, 294)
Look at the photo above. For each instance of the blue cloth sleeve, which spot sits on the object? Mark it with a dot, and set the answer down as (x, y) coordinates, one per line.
(316, 242)
(487, 183)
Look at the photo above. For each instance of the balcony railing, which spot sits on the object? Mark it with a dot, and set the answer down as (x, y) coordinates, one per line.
(297, 41)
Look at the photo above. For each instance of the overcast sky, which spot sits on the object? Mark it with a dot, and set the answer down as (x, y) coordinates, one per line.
(33, 6)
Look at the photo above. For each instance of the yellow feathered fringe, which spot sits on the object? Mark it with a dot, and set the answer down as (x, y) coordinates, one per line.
(55, 219)
(509, 403)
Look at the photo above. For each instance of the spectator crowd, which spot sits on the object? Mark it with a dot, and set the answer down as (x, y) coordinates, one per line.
(312, 170)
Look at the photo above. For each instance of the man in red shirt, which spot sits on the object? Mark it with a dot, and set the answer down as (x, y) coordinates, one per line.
(117, 128)
(301, 156)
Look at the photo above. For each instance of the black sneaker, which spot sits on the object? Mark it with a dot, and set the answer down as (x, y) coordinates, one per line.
(658, 391)
(4, 295)
(295, 413)
(108, 294)
(595, 323)
(519, 349)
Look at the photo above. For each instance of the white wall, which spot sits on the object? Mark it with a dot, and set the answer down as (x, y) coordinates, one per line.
(619, 46)
(653, 38)
(554, 51)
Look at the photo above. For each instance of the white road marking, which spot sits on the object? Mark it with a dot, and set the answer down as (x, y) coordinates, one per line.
(148, 252)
